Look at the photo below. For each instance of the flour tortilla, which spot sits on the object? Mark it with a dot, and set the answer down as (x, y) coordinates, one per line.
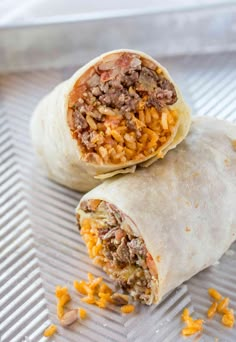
(59, 151)
(184, 206)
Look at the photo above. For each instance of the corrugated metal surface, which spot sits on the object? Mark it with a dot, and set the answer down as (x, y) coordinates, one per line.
(40, 246)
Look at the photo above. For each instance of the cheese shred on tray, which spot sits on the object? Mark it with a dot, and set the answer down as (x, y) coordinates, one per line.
(96, 292)
(63, 298)
(220, 305)
(51, 330)
(192, 326)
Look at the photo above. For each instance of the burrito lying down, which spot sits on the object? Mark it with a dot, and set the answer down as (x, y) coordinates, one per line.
(119, 110)
(153, 230)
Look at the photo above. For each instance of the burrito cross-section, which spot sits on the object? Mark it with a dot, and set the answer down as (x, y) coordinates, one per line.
(153, 230)
(118, 111)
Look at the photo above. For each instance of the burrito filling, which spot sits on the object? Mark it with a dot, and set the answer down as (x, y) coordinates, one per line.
(113, 246)
(120, 110)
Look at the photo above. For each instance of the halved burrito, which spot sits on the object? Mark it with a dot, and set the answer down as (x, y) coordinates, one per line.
(153, 230)
(119, 110)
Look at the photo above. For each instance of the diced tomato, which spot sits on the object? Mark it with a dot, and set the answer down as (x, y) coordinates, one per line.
(151, 265)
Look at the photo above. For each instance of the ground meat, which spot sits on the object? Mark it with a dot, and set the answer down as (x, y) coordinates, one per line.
(80, 121)
(119, 97)
(145, 81)
(96, 91)
(120, 84)
(163, 96)
(86, 139)
(148, 80)
(129, 79)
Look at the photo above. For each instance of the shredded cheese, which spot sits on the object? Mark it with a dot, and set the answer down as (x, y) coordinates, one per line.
(82, 313)
(214, 294)
(126, 309)
(212, 310)
(221, 306)
(228, 319)
(63, 298)
(51, 330)
(192, 326)
(96, 292)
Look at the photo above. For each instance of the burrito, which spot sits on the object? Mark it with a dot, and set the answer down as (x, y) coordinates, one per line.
(153, 230)
(119, 110)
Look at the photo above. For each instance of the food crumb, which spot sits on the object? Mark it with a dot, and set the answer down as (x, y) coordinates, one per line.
(96, 292)
(196, 174)
(234, 144)
(82, 313)
(221, 306)
(192, 326)
(51, 330)
(69, 318)
(188, 203)
(187, 229)
(119, 299)
(228, 319)
(214, 294)
(126, 309)
(212, 310)
(158, 258)
(227, 162)
(63, 298)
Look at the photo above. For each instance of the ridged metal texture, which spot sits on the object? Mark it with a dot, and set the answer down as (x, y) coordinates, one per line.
(39, 242)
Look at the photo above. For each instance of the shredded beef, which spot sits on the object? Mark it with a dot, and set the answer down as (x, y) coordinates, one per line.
(137, 248)
(127, 248)
(102, 232)
(110, 234)
(122, 252)
(148, 80)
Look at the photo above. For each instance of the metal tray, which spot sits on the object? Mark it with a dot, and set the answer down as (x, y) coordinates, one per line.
(39, 242)
(170, 29)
